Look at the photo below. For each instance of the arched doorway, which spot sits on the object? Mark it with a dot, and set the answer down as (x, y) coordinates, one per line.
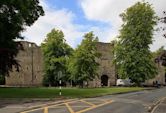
(104, 80)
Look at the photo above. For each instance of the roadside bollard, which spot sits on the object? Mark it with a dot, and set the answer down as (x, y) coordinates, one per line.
(45, 109)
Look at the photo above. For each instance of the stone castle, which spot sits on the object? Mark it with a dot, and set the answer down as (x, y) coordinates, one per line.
(31, 71)
(106, 70)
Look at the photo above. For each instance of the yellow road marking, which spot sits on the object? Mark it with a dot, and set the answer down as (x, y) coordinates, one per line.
(76, 106)
(72, 101)
(41, 105)
(45, 109)
(47, 106)
(104, 100)
(69, 108)
(108, 102)
(100, 100)
(87, 102)
(93, 107)
(87, 109)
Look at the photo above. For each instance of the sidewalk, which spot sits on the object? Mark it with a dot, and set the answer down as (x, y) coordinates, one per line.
(161, 107)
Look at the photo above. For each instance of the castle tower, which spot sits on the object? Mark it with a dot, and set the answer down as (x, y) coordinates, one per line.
(106, 71)
(31, 66)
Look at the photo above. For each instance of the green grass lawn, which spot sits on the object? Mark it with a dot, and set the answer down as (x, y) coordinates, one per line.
(66, 92)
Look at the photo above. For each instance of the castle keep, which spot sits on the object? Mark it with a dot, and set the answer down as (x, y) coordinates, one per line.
(31, 70)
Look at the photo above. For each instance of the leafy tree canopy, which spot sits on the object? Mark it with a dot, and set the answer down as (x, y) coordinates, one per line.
(163, 20)
(83, 65)
(56, 53)
(163, 56)
(158, 52)
(14, 16)
(160, 56)
(132, 53)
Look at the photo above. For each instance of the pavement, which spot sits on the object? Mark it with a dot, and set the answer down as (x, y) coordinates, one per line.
(160, 107)
(147, 101)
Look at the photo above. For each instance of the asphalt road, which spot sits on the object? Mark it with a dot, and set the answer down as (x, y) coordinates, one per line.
(138, 102)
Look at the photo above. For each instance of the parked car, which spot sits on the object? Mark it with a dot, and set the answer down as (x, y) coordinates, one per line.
(124, 82)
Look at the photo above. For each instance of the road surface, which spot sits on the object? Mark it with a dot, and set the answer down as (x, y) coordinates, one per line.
(148, 101)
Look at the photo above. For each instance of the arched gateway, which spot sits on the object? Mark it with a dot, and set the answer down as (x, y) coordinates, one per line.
(104, 80)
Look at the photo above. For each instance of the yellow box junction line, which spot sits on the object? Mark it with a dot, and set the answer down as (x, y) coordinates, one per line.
(92, 106)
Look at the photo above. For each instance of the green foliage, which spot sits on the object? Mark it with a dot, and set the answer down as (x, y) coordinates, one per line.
(159, 56)
(158, 52)
(2, 80)
(83, 65)
(15, 15)
(56, 53)
(163, 20)
(132, 54)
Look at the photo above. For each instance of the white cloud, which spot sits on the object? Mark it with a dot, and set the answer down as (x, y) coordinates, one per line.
(59, 19)
(104, 34)
(108, 11)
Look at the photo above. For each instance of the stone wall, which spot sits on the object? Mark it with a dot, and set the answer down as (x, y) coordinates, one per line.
(31, 70)
(160, 77)
(106, 66)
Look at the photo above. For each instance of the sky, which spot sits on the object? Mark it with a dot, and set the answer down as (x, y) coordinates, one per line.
(77, 17)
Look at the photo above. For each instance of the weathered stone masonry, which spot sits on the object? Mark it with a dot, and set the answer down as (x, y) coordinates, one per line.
(106, 72)
(31, 70)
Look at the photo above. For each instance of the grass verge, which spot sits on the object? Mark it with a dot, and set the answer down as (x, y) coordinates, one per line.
(66, 92)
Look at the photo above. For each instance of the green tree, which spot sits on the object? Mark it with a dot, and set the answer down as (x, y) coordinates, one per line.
(56, 53)
(158, 52)
(163, 20)
(163, 56)
(2, 80)
(83, 65)
(132, 53)
(14, 16)
(160, 56)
